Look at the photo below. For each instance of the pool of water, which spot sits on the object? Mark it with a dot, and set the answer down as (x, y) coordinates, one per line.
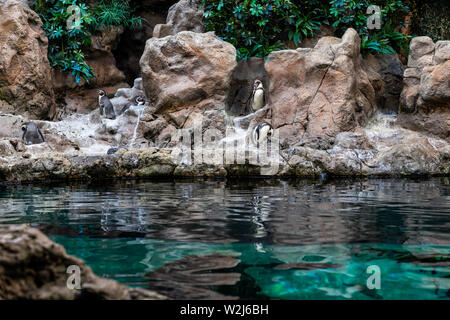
(252, 239)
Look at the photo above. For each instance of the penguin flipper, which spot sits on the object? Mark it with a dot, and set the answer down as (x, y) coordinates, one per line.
(41, 135)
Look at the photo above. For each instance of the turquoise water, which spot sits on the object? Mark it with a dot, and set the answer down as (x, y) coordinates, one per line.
(252, 239)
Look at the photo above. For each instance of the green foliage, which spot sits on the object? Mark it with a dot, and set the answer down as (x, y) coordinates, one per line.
(353, 14)
(257, 27)
(431, 18)
(67, 46)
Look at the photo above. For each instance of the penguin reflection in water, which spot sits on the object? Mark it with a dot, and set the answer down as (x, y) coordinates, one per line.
(261, 132)
(32, 134)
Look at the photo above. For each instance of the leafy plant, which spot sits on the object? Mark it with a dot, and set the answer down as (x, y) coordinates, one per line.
(353, 13)
(67, 46)
(257, 27)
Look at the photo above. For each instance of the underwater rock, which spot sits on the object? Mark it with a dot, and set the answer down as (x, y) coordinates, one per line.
(25, 76)
(317, 93)
(185, 15)
(34, 267)
(425, 99)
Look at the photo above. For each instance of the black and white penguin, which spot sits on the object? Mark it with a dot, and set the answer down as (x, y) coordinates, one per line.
(105, 105)
(32, 134)
(112, 151)
(260, 132)
(139, 101)
(257, 99)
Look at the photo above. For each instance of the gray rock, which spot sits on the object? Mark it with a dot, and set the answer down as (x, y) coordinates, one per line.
(185, 15)
(425, 99)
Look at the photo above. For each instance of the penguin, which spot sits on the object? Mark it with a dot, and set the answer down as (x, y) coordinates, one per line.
(260, 132)
(139, 101)
(112, 151)
(106, 105)
(32, 134)
(257, 98)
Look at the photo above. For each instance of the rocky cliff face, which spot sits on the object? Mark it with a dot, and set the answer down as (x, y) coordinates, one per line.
(25, 75)
(82, 97)
(425, 99)
(186, 76)
(185, 15)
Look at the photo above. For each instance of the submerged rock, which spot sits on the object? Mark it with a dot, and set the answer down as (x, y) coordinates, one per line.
(34, 267)
(379, 149)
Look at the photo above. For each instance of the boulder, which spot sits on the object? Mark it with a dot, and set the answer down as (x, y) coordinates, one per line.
(80, 97)
(25, 76)
(185, 15)
(34, 267)
(425, 99)
(317, 93)
(385, 73)
(188, 76)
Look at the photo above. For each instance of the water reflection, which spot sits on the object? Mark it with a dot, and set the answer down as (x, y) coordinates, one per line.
(282, 212)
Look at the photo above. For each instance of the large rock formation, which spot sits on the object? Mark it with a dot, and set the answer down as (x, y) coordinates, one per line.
(186, 76)
(380, 148)
(385, 72)
(34, 267)
(425, 99)
(185, 15)
(317, 93)
(80, 97)
(25, 76)
(244, 75)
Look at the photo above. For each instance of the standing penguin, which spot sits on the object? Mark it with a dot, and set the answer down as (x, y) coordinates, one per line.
(32, 134)
(139, 101)
(260, 132)
(106, 105)
(257, 98)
